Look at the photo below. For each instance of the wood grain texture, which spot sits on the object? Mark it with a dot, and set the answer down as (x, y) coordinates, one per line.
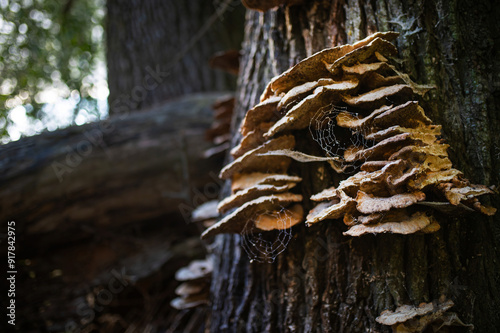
(326, 282)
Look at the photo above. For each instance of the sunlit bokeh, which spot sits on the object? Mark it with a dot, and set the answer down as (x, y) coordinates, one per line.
(52, 68)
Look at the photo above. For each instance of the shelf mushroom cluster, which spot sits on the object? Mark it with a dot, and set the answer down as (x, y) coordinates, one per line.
(260, 184)
(195, 287)
(406, 164)
(219, 133)
(425, 317)
(206, 214)
(403, 165)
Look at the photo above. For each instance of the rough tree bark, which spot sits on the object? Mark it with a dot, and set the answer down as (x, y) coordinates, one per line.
(159, 49)
(325, 282)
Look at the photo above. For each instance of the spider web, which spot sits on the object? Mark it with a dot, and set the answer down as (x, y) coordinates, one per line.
(335, 140)
(265, 246)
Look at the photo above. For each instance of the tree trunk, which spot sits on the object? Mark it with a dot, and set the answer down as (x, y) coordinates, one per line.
(159, 49)
(327, 282)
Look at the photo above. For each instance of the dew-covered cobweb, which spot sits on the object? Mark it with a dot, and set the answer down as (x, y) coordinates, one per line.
(335, 140)
(265, 246)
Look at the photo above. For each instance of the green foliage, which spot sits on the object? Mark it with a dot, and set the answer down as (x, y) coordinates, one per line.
(48, 46)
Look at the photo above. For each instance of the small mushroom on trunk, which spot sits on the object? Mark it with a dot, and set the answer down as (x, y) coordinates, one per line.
(248, 194)
(206, 214)
(195, 289)
(299, 116)
(265, 111)
(251, 161)
(219, 132)
(237, 220)
(422, 318)
(244, 181)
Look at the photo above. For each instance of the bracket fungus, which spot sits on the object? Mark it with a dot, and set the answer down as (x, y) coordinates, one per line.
(253, 210)
(219, 131)
(252, 160)
(250, 193)
(423, 318)
(194, 290)
(402, 169)
(206, 213)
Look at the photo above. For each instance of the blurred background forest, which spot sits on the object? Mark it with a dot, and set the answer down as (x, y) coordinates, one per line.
(52, 65)
(105, 116)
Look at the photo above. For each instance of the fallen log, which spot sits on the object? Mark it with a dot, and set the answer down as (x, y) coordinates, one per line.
(112, 173)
